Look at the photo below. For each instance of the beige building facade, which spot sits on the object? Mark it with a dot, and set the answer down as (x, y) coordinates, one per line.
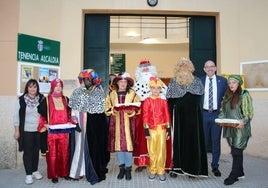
(241, 32)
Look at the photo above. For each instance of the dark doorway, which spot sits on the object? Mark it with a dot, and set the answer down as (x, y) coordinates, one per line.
(202, 41)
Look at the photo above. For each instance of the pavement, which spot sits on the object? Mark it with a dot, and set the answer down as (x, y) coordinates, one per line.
(256, 176)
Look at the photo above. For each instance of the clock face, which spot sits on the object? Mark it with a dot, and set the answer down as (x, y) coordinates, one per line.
(152, 3)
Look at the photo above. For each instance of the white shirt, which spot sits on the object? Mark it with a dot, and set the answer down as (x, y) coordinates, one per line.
(214, 86)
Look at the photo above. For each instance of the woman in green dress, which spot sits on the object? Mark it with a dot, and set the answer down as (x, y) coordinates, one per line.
(237, 104)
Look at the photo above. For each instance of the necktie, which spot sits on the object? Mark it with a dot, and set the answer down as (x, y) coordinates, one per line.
(210, 95)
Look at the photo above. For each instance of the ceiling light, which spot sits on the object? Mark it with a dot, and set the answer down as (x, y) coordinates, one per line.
(149, 41)
(132, 34)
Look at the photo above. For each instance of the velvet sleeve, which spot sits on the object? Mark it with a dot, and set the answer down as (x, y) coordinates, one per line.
(108, 106)
(145, 113)
(136, 99)
(167, 114)
(42, 122)
(171, 103)
(69, 113)
(247, 107)
(222, 109)
(42, 110)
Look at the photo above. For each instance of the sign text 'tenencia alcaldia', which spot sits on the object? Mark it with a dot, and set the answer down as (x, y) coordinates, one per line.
(26, 56)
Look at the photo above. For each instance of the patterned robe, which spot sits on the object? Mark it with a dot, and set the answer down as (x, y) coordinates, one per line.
(90, 154)
(122, 125)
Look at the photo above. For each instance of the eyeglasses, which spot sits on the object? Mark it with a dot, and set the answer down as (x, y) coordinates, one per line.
(207, 67)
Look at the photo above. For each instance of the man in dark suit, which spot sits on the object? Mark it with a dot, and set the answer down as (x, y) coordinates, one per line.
(215, 87)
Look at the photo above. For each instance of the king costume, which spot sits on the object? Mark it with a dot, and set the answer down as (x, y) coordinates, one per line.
(156, 120)
(141, 86)
(121, 134)
(55, 111)
(237, 138)
(189, 152)
(90, 155)
(122, 123)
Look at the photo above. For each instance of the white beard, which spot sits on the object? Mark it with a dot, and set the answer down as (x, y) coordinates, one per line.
(141, 86)
(145, 77)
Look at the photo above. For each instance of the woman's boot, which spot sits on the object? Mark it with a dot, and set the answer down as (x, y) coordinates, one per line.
(121, 172)
(237, 166)
(128, 173)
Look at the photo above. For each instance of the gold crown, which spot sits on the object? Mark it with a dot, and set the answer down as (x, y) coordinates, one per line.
(155, 82)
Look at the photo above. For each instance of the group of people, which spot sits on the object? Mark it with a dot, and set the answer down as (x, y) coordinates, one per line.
(72, 133)
(158, 127)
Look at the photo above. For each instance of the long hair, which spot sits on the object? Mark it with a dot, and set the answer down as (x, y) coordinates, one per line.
(234, 97)
(184, 72)
(31, 82)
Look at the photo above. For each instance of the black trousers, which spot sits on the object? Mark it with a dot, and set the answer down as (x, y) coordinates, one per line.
(31, 151)
(237, 166)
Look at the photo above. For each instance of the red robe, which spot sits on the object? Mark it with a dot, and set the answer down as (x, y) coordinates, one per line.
(57, 156)
(140, 153)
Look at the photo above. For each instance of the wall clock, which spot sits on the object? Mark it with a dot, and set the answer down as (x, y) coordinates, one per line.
(152, 3)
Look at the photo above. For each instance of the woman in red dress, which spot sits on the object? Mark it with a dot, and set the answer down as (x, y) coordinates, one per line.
(55, 111)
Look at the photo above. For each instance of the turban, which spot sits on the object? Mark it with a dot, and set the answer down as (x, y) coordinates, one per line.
(90, 74)
(237, 78)
(55, 82)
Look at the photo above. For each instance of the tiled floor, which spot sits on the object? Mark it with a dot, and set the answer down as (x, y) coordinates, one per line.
(256, 171)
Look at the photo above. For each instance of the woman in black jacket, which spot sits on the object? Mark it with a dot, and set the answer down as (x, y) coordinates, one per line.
(25, 120)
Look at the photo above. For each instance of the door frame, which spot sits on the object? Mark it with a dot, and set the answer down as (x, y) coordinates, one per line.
(162, 13)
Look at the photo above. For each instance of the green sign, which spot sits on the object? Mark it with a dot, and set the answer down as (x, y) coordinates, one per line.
(38, 50)
(118, 63)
